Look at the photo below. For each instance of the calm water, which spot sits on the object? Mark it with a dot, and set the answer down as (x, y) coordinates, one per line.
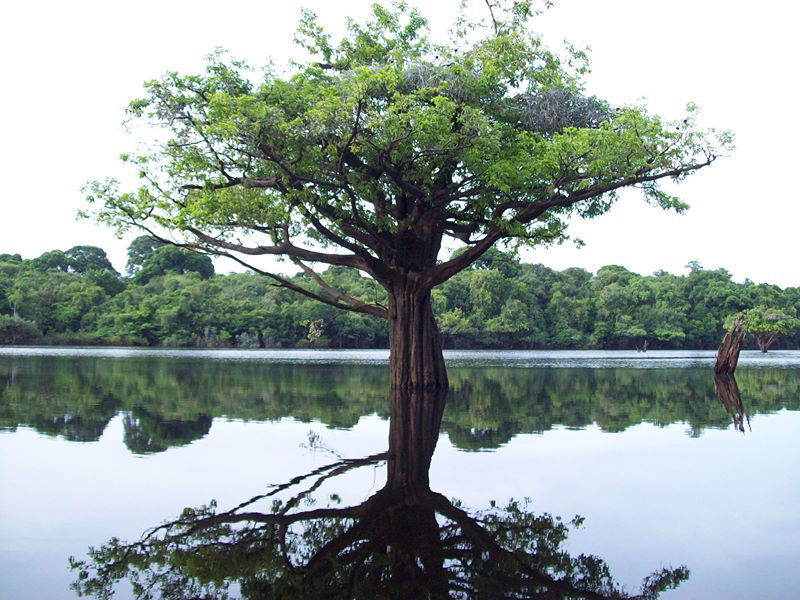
(96, 443)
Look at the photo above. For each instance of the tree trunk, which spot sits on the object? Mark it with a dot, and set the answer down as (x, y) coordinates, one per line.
(765, 342)
(728, 352)
(415, 347)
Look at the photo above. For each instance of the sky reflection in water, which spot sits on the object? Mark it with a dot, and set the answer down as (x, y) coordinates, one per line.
(721, 502)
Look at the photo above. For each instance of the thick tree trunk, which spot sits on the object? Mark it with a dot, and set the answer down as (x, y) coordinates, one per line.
(415, 347)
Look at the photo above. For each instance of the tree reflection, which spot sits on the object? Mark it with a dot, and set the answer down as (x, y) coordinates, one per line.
(168, 402)
(405, 541)
(146, 433)
(728, 393)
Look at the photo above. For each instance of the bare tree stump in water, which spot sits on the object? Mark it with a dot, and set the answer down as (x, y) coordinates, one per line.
(728, 352)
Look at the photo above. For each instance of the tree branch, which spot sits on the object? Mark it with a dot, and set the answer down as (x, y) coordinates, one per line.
(285, 283)
(356, 304)
(491, 14)
(282, 249)
(446, 270)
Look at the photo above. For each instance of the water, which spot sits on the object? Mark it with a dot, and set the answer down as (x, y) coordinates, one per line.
(98, 443)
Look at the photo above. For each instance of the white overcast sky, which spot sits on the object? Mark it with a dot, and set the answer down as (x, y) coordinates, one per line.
(69, 69)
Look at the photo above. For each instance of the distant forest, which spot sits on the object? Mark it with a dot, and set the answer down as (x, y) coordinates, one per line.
(171, 297)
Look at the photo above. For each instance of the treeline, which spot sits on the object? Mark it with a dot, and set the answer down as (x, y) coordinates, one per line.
(171, 297)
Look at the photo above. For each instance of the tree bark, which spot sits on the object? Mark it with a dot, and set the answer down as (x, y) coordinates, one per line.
(415, 347)
(728, 352)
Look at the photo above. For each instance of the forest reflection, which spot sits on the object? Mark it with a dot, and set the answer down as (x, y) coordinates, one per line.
(405, 541)
(171, 402)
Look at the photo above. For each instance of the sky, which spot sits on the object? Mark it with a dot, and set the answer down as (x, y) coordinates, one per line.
(70, 68)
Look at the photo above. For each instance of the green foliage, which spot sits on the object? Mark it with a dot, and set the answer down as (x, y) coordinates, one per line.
(171, 259)
(504, 262)
(139, 250)
(82, 259)
(766, 324)
(14, 330)
(174, 299)
(109, 281)
(53, 260)
(56, 301)
(78, 259)
(763, 320)
(384, 145)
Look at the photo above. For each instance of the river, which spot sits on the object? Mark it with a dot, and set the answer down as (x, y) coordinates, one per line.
(97, 443)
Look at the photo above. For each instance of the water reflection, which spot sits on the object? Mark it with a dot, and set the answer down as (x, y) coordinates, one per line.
(171, 402)
(731, 400)
(405, 541)
(147, 433)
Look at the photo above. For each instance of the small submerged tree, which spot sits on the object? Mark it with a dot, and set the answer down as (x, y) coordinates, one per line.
(381, 147)
(766, 324)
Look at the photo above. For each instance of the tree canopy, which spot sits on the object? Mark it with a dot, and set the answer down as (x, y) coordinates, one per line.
(170, 259)
(379, 148)
(139, 250)
(766, 324)
(386, 136)
(78, 259)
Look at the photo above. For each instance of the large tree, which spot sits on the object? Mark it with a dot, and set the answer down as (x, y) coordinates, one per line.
(378, 149)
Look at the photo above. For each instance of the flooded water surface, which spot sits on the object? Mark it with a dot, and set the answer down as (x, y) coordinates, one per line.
(666, 467)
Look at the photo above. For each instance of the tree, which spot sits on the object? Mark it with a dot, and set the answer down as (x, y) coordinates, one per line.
(378, 149)
(149, 257)
(82, 259)
(109, 281)
(170, 259)
(766, 324)
(14, 330)
(139, 250)
(633, 311)
(711, 296)
(56, 301)
(78, 259)
(505, 262)
(55, 260)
